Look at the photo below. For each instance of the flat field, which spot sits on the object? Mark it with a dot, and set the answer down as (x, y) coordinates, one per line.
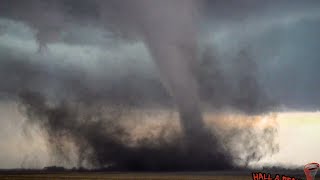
(129, 176)
(121, 176)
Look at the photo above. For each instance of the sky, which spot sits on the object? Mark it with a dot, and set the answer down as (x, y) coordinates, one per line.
(256, 58)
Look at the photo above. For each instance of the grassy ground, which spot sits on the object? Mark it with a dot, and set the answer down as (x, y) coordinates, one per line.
(115, 176)
(125, 176)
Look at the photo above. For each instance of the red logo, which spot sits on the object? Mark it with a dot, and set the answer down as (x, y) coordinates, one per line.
(264, 176)
(310, 171)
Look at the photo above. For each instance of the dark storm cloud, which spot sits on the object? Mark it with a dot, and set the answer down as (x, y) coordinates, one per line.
(291, 74)
(23, 74)
(282, 36)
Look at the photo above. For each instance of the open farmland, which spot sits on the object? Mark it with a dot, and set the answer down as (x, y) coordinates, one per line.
(129, 176)
(116, 176)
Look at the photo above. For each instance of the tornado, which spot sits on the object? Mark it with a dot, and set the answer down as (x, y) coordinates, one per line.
(170, 33)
